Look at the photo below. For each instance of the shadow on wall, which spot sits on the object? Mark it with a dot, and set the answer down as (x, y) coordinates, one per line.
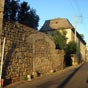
(67, 60)
(80, 58)
(6, 62)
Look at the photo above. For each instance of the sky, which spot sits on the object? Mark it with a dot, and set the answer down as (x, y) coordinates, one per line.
(50, 9)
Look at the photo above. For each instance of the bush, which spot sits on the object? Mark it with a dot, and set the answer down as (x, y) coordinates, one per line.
(60, 40)
(71, 48)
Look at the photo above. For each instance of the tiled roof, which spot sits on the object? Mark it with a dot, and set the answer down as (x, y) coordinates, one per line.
(58, 23)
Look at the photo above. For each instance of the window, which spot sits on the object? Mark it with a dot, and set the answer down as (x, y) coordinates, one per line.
(56, 22)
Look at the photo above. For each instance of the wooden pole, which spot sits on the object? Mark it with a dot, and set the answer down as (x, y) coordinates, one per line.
(75, 27)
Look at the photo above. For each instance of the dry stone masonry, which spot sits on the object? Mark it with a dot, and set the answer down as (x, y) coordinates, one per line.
(18, 54)
(28, 52)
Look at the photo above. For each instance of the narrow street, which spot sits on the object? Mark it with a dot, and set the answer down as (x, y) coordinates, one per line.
(79, 79)
(36, 47)
(72, 77)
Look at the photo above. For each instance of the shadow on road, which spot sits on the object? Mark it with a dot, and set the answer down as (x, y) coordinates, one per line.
(68, 78)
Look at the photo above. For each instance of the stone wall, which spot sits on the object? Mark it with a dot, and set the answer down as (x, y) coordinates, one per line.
(28, 51)
(46, 57)
(18, 54)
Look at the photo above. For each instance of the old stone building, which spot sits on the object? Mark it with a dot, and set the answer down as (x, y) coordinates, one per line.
(81, 48)
(63, 24)
(87, 53)
(28, 52)
(59, 24)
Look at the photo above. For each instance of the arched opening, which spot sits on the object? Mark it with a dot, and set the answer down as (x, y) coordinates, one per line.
(67, 60)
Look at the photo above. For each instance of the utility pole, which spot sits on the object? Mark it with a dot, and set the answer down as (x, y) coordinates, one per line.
(1, 26)
(75, 24)
(78, 46)
(75, 27)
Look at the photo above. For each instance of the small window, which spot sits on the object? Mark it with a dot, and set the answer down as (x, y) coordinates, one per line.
(56, 22)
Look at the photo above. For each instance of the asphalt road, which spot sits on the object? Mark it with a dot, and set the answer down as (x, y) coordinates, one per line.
(80, 79)
(72, 77)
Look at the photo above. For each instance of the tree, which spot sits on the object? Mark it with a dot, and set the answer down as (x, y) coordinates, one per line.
(14, 10)
(10, 10)
(71, 48)
(34, 18)
(23, 11)
(82, 36)
(6, 10)
(60, 40)
(29, 18)
(20, 12)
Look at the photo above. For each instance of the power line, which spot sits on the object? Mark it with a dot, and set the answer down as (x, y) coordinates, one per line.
(71, 4)
(77, 6)
(77, 19)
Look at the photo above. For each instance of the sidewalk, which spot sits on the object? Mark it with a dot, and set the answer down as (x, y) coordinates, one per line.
(38, 82)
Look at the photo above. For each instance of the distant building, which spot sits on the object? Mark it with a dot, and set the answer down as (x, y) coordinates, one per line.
(81, 48)
(63, 24)
(59, 24)
(87, 53)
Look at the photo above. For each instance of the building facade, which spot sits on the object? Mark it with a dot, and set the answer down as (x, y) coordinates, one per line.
(59, 24)
(62, 24)
(87, 53)
(81, 48)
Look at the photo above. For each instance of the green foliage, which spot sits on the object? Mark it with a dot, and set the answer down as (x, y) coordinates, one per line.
(10, 10)
(20, 12)
(71, 48)
(82, 36)
(60, 40)
(25, 78)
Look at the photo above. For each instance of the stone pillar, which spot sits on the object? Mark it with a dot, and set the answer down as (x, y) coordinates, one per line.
(1, 21)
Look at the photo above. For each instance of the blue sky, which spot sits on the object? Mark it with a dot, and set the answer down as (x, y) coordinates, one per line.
(49, 9)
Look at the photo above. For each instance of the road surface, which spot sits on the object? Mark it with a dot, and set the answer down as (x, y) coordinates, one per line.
(72, 77)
